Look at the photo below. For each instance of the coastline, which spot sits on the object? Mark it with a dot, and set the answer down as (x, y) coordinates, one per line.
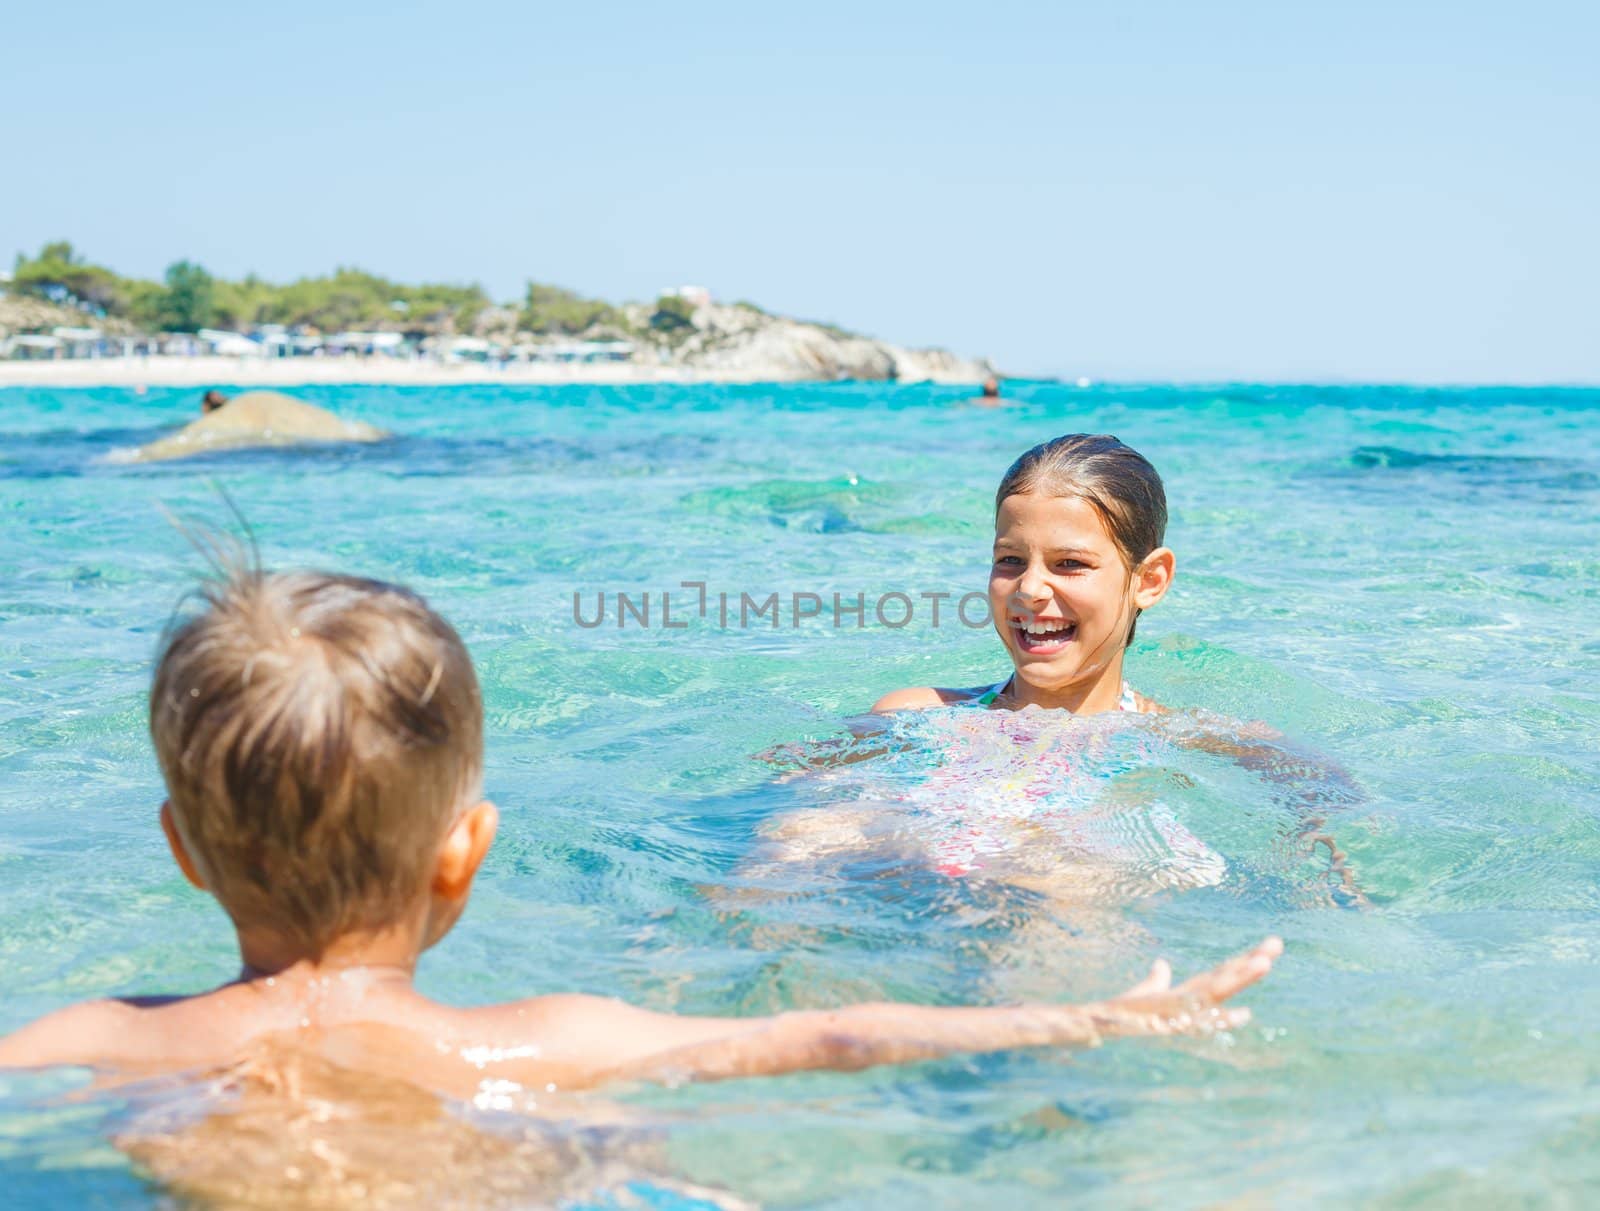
(207, 371)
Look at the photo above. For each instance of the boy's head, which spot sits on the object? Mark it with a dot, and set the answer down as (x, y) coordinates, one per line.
(320, 736)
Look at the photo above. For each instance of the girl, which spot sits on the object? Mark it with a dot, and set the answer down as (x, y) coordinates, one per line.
(1078, 556)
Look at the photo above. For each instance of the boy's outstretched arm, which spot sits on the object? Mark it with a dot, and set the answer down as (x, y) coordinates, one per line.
(614, 1041)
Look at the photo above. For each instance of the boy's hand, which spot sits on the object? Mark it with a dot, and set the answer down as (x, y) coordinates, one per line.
(1154, 1006)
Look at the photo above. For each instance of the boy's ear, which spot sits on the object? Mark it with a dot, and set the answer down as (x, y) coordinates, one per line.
(463, 850)
(1154, 577)
(180, 852)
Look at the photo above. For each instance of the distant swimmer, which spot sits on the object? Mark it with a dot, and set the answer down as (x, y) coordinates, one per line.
(254, 419)
(991, 394)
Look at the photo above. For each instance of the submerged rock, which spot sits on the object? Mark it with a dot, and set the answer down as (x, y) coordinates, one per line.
(254, 419)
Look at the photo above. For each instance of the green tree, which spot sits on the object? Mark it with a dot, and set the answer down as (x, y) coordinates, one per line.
(58, 273)
(190, 298)
(353, 298)
(672, 313)
(551, 310)
(145, 303)
(443, 306)
(243, 304)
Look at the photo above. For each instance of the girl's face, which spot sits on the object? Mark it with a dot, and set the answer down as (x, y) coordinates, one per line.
(1062, 596)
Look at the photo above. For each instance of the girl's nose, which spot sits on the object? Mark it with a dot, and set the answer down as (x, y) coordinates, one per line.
(1032, 589)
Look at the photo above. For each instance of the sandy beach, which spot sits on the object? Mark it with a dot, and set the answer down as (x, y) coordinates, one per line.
(290, 372)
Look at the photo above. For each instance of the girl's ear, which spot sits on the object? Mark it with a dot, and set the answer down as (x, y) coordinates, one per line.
(1153, 577)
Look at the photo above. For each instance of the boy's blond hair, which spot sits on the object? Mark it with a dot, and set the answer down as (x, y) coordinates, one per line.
(318, 735)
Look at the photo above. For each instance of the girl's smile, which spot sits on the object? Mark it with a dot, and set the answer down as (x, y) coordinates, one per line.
(1043, 636)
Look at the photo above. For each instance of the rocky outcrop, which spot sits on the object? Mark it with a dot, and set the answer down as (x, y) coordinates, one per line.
(743, 342)
(255, 419)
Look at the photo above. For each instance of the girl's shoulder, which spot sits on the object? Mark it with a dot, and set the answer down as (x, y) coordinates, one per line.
(923, 697)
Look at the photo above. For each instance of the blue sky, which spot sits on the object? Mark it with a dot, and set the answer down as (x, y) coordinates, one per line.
(1273, 190)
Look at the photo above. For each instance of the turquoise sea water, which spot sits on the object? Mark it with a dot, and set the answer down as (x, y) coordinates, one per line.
(1405, 581)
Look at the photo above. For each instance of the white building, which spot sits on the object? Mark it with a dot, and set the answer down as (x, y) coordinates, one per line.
(367, 343)
(31, 348)
(230, 344)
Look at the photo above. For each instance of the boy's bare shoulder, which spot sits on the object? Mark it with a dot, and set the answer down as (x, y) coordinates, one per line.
(538, 1025)
(923, 697)
(150, 1033)
(549, 1009)
(561, 1021)
(89, 1033)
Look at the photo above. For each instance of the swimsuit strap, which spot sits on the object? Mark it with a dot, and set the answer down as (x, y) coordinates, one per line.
(1128, 702)
(989, 695)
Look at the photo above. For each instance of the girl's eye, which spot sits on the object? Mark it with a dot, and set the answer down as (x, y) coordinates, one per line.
(1008, 561)
(1072, 565)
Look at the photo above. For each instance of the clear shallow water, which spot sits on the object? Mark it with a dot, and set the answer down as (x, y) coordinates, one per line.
(1403, 580)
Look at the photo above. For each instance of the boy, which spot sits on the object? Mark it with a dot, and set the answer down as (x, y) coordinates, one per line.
(321, 740)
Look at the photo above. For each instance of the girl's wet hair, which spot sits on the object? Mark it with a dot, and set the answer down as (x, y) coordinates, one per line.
(1115, 479)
